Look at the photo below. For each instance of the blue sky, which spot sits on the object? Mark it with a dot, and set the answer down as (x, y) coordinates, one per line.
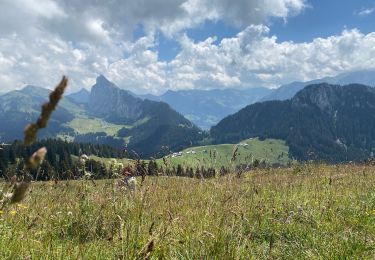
(325, 18)
(322, 18)
(150, 46)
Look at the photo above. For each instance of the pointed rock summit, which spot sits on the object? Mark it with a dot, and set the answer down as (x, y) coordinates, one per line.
(110, 102)
(102, 81)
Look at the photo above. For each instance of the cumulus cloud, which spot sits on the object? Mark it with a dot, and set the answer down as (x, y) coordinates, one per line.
(253, 58)
(41, 40)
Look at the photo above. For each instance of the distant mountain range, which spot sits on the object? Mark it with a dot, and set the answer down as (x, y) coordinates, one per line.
(365, 77)
(322, 121)
(80, 97)
(107, 115)
(206, 108)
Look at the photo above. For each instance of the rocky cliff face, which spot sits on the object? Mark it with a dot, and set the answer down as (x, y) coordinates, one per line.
(324, 96)
(114, 104)
(331, 98)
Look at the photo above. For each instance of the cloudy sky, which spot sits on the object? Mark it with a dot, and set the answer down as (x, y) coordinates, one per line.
(149, 46)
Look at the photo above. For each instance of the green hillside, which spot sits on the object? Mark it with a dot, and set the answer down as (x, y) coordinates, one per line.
(108, 115)
(321, 122)
(270, 150)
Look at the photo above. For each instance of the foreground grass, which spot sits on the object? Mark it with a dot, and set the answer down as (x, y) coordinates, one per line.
(313, 212)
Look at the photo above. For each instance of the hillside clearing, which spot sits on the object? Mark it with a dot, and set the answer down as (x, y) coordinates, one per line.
(86, 125)
(271, 151)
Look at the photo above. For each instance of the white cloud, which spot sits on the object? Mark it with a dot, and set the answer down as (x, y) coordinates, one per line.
(141, 70)
(40, 42)
(253, 58)
(366, 11)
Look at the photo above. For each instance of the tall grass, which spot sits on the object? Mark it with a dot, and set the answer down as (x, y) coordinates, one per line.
(310, 212)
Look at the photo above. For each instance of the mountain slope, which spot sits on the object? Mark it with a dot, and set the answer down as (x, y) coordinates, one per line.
(80, 97)
(364, 77)
(151, 126)
(111, 116)
(270, 151)
(323, 121)
(113, 104)
(20, 107)
(205, 108)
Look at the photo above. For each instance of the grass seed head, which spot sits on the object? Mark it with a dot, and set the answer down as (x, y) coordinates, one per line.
(36, 159)
(47, 109)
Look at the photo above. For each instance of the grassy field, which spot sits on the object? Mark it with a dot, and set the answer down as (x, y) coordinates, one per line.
(309, 212)
(270, 150)
(107, 161)
(85, 125)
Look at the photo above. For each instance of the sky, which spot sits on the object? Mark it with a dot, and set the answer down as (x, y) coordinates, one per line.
(150, 46)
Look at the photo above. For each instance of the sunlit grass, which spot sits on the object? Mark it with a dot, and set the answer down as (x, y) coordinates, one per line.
(87, 125)
(301, 213)
(270, 150)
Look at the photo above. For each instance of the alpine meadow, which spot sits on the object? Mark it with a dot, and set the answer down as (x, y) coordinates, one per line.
(187, 129)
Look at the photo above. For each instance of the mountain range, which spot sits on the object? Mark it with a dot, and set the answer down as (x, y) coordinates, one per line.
(284, 92)
(322, 121)
(105, 115)
(205, 108)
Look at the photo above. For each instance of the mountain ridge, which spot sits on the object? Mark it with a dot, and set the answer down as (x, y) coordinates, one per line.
(207, 107)
(322, 121)
(111, 116)
(287, 91)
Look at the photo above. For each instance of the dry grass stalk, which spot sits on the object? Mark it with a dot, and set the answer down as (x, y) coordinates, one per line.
(19, 191)
(47, 109)
(36, 159)
(234, 154)
(20, 187)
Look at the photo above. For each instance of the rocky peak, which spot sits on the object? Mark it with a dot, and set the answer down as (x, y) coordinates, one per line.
(109, 101)
(323, 95)
(102, 81)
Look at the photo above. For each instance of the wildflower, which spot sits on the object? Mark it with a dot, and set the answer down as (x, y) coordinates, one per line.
(21, 206)
(1, 212)
(290, 217)
(13, 212)
(8, 196)
(132, 183)
(84, 157)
